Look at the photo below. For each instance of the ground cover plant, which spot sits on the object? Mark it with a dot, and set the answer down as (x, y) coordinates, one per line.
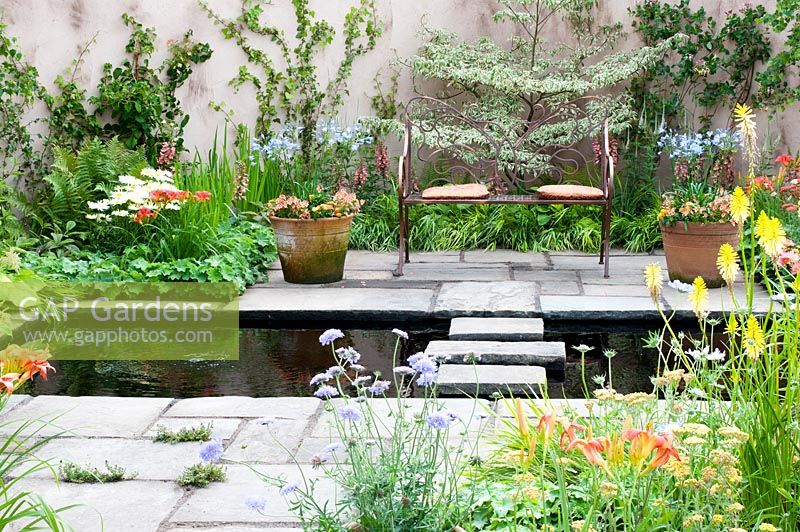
(201, 432)
(206, 471)
(80, 474)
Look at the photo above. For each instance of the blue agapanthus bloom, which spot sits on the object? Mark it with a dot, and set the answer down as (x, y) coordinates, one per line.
(330, 336)
(325, 392)
(350, 413)
(256, 504)
(379, 387)
(211, 451)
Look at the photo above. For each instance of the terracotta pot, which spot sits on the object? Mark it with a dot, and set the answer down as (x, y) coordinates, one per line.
(692, 250)
(312, 251)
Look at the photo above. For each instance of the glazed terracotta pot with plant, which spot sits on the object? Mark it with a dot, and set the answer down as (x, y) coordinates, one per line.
(312, 219)
(696, 216)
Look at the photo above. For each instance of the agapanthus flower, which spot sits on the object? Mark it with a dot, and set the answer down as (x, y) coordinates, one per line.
(319, 378)
(350, 413)
(256, 504)
(290, 487)
(325, 392)
(212, 451)
(330, 336)
(401, 334)
(378, 387)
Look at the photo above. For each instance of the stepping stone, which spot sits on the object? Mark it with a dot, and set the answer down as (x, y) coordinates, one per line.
(485, 380)
(498, 329)
(549, 355)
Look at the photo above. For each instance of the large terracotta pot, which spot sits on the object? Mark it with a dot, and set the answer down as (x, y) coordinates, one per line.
(692, 250)
(312, 251)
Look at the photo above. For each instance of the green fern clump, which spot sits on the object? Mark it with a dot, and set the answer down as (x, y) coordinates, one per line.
(77, 178)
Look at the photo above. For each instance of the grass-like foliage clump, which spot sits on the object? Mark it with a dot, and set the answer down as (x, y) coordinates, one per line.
(79, 474)
(201, 432)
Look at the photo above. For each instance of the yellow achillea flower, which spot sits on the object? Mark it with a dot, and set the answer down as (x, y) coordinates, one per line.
(699, 297)
(766, 527)
(753, 341)
(740, 206)
(728, 263)
(654, 279)
(771, 235)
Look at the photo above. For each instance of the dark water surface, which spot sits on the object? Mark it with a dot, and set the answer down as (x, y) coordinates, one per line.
(280, 362)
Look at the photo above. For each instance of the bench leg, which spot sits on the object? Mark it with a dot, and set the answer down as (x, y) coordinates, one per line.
(405, 223)
(402, 247)
(605, 243)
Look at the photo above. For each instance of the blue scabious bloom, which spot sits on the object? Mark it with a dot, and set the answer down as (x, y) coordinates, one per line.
(439, 420)
(319, 378)
(357, 367)
(333, 448)
(426, 379)
(348, 355)
(256, 504)
(330, 336)
(362, 379)
(212, 451)
(350, 413)
(289, 488)
(325, 391)
(335, 370)
(404, 370)
(401, 334)
(424, 365)
(379, 387)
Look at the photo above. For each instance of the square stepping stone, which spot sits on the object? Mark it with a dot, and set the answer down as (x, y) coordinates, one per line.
(496, 299)
(116, 417)
(501, 329)
(550, 355)
(486, 380)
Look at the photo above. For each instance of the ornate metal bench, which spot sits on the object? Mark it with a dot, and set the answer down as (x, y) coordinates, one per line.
(513, 165)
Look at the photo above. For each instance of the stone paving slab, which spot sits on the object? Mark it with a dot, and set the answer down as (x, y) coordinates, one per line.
(149, 460)
(348, 303)
(500, 329)
(593, 308)
(617, 263)
(560, 288)
(115, 417)
(500, 299)
(456, 272)
(273, 444)
(550, 355)
(506, 256)
(224, 502)
(289, 408)
(485, 380)
(134, 505)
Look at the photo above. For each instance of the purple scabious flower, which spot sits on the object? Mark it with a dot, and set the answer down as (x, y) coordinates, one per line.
(424, 365)
(325, 391)
(256, 504)
(439, 420)
(350, 413)
(330, 336)
(413, 358)
(357, 367)
(379, 387)
(289, 488)
(333, 448)
(348, 354)
(426, 379)
(319, 378)
(404, 370)
(211, 451)
(335, 370)
(362, 379)
(401, 334)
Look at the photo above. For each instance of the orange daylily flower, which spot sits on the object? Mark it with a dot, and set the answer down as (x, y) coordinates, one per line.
(592, 450)
(33, 367)
(8, 381)
(644, 442)
(569, 429)
(547, 424)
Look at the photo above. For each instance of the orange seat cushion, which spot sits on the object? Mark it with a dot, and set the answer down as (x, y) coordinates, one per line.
(569, 192)
(468, 191)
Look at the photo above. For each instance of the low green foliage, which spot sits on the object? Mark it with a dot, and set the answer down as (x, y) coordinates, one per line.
(241, 254)
(518, 227)
(78, 474)
(201, 475)
(201, 432)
